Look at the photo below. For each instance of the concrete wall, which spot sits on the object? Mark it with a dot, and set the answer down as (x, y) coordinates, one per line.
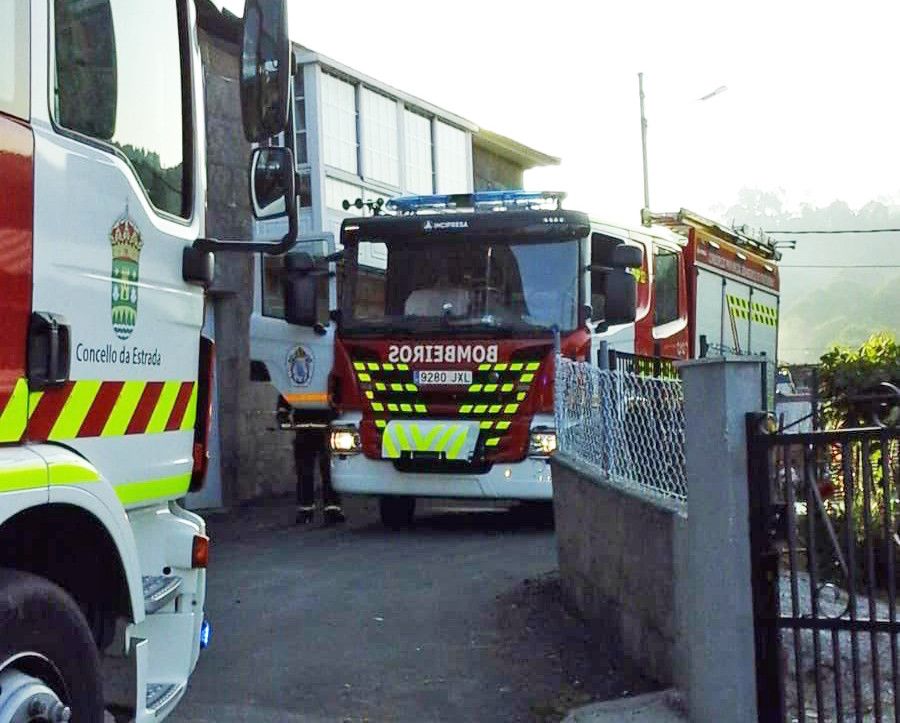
(494, 172)
(618, 559)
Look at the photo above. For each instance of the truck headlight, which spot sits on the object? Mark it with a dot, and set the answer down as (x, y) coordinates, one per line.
(344, 440)
(543, 442)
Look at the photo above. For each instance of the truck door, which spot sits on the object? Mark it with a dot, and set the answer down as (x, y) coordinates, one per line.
(118, 196)
(669, 336)
(297, 359)
(17, 191)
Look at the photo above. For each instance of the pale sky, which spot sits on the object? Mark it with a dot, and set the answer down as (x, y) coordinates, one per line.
(812, 106)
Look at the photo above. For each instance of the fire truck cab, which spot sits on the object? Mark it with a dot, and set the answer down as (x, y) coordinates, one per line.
(104, 377)
(450, 314)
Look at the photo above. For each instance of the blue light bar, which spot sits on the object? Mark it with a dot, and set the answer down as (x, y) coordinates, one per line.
(411, 204)
(205, 634)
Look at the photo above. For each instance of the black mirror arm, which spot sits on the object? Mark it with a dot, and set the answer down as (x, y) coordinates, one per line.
(273, 248)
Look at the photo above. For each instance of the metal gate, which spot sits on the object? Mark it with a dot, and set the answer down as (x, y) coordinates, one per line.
(824, 547)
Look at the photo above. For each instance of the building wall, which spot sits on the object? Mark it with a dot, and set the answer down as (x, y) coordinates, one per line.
(494, 172)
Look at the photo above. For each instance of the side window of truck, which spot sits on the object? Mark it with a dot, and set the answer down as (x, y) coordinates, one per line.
(120, 82)
(14, 63)
(665, 286)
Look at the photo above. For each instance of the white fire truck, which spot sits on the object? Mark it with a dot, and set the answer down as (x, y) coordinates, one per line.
(104, 379)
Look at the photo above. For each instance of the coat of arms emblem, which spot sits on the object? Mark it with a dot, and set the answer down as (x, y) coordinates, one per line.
(126, 256)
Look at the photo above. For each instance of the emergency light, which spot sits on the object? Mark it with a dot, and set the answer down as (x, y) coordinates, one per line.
(497, 199)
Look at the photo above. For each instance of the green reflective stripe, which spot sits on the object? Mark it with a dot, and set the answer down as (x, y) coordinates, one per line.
(492, 442)
(402, 439)
(406, 408)
(501, 367)
(372, 366)
(363, 377)
(465, 409)
(359, 366)
(503, 426)
(132, 493)
(421, 408)
(423, 444)
(533, 366)
(480, 408)
(390, 448)
(33, 400)
(378, 406)
(396, 387)
(67, 474)
(521, 396)
(412, 388)
(403, 367)
(511, 409)
(526, 378)
(370, 395)
(190, 414)
(164, 407)
(14, 416)
(75, 410)
(445, 438)
(388, 367)
(517, 367)
(484, 367)
(380, 387)
(22, 478)
(380, 423)
(487, 425)
(495, 408)
(123, 409)
(458, 443)
(475, 388)
(490, 388)
(393, 408)
(507, 388)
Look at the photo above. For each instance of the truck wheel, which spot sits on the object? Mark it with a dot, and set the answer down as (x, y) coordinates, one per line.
(397, 511)
(49, 665)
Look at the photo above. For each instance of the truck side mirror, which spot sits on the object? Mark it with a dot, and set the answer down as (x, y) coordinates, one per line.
(300, 293)
(271, 182)
(627, 257)
(265, 69)
(620, 298)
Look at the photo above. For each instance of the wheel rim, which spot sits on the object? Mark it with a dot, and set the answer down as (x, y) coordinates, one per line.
(26, 695)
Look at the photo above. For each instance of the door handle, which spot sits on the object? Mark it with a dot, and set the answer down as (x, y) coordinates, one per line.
(49, 350)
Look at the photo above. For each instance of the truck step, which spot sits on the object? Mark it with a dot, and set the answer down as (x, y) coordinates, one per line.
(160, 590)
(161, 695)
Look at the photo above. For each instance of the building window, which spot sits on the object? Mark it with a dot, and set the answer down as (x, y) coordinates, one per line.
(418, 147)
(452, 166)
(300, 149)
(14, 63)
(340, 126)
(112, 58)
(665, 286)
(381, 158)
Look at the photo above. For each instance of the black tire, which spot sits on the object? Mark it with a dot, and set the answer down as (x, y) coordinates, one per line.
(39, 617)
(397, 511)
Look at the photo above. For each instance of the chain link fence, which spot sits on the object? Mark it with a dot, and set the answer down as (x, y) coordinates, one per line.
(629, 426)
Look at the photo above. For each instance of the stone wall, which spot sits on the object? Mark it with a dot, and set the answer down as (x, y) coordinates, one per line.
(619, 558)
(255, 460)
(493, 172)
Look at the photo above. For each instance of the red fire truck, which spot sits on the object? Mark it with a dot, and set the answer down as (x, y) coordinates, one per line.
(703, 289)
(450, 313)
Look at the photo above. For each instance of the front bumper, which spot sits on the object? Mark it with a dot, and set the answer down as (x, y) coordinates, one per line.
(525, 480)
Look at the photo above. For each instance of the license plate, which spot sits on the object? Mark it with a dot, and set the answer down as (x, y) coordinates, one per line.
(442, 377)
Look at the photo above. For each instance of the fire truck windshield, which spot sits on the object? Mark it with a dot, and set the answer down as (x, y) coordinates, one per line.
(460, 288)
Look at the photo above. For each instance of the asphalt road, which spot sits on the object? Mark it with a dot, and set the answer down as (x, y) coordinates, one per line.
(357, 623)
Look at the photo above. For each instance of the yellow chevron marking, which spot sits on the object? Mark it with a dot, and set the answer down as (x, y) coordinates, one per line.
(164, 406)
(33, 400)
(190, 414)
(457, 445)
(123, 409)
(14, 417)
(75, 410)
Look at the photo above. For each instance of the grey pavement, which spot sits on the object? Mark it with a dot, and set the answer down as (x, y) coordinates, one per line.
(660, 707)
(357, 623)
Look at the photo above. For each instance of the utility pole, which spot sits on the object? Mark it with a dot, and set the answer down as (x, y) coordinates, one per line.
(644, 146)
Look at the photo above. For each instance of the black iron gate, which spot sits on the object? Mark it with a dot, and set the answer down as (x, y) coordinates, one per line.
(824, 547)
